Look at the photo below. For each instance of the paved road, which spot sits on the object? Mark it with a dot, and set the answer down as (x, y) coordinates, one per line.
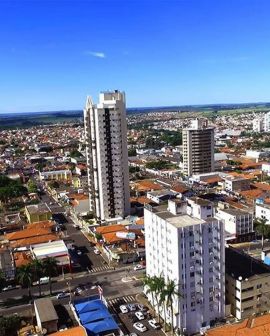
(110, 281)
(89, 259)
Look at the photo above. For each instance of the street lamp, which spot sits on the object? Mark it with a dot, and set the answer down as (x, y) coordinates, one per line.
(70, 298)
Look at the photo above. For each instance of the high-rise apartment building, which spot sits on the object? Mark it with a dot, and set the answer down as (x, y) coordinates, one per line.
(189, 251)
(107, 156)
(198, 148)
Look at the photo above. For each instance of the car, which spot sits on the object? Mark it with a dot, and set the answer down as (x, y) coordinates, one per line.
(79, 252)
(78, 290)
(133, 334)
(139, 267)
(76, 226)
(131, 306)
(154, 324)
(124, 309)
(62, 295)
(51, 203)
(9, 287)
(96, 251)
(141, 307)
(139, 326)
(139, 315)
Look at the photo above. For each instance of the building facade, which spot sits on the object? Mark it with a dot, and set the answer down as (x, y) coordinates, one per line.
(247, 284)
(189, 251)
(198, 148)
(236, 222)
(107, 156)
(262, 211)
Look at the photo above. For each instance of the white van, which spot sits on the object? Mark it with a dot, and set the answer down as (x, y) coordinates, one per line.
(44, 280)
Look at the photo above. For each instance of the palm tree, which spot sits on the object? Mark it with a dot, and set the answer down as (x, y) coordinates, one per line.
(262, 228)
(25, 277)
(162, 301)
(38, 269)
(50, 269)
(150, 287)
(158, 287)
(171, 291)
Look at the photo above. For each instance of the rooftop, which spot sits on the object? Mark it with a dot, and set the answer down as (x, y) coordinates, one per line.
(200, 201)
(46, 310)
(239, 264)
(254, 326)
(38, 208)
(177, 221)
(235, 212)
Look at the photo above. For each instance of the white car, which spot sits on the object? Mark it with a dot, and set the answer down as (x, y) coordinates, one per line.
(139, 326)
(79, 252)
(62, 295)
(139, 315)
(96, 251)
(132, 307)
(139, 267)
(153, 323)
(124, 309)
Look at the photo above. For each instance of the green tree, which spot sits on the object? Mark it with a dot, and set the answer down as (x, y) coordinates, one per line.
(171, 292)
(9, 325)
(158, 287)
(132, 152)
(262, 229)
(37, 267)
(150, 287)
(32, 186)
(50, 269)
(25, 277)
(54, 184)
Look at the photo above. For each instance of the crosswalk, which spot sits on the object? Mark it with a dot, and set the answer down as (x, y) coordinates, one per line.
(100, 269)
(120, 300)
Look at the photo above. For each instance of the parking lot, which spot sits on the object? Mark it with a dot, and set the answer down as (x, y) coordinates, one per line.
(128, 319)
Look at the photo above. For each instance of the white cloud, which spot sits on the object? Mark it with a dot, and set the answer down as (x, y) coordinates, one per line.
(96, 54)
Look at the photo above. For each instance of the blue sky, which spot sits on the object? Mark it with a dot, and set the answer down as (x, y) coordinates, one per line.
(54, 53)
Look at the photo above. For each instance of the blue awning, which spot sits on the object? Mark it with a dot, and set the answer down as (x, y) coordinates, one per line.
(107, 324)
(89, 306)
(94, 316)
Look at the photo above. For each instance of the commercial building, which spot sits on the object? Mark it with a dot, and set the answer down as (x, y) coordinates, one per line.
(258, 125)
(198, 145)
(107, 155)
(247, 284)
(189, 251)
(237, 222)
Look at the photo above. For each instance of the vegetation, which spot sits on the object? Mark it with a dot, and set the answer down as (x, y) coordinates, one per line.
(32, 186)
(54, 184)
(10, 189)
(162, 293)
(159, 165)
(262, 228)
(75, 153)
(2, 280)
(25, 277)
(133, 170)
(50, 269)
(132, 152)
(9, 325)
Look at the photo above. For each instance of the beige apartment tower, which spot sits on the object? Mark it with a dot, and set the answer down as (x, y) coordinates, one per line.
(198, 148)
(107, 156)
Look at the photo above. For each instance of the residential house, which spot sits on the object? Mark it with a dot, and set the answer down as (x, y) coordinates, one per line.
(38, 212)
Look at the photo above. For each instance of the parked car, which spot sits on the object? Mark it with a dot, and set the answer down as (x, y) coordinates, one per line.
(76, 226)
(154, 324)
(141, 307)
(133, 334)
(131, 306)
(139, 267)
(79, 252)
(62, 295)
(10, 287)
(78, 290)
(139, 315)
(124, 309)
(139, 326)
(96, 251)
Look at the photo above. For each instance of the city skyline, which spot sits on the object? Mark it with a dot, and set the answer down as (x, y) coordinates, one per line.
(54, 54)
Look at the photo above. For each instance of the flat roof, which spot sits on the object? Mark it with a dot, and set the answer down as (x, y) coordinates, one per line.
(46, 310)
(239, 264)
(176, 220)
(54, 247)
(200, 201)
(235, 212)
(38, 208)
